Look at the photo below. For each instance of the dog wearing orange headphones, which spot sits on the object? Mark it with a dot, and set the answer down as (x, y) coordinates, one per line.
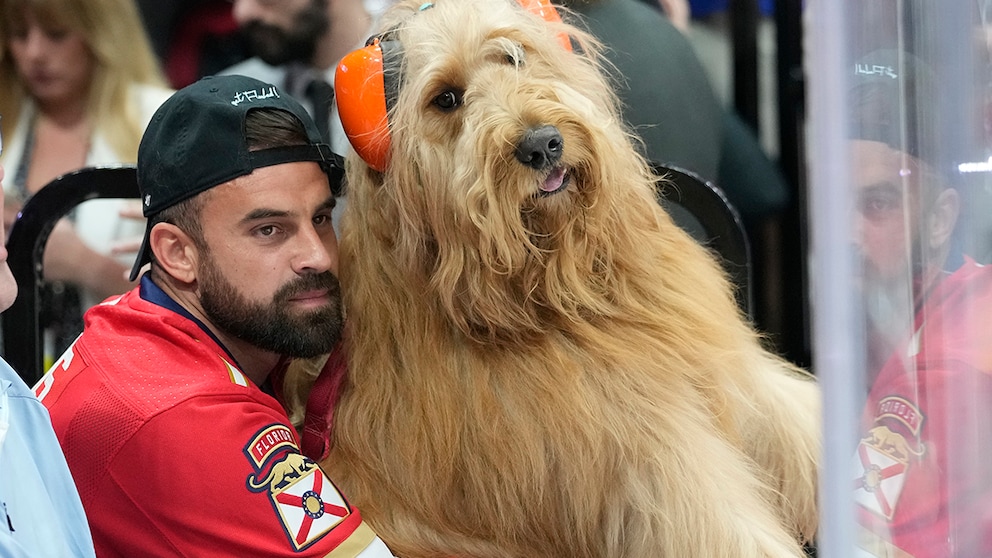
(540, 362)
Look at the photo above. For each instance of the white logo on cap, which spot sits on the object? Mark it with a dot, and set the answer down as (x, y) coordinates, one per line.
(255, 95)
(876, 70)
(148, 199)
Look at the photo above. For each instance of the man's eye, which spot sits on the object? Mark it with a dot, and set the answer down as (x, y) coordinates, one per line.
(448, 100)
(321, 220)
(267, 230)
(879, 205)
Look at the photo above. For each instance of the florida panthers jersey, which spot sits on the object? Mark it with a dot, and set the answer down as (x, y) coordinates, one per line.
(176, 452)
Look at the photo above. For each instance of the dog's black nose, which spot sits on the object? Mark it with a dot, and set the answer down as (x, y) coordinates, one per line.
(540, 147)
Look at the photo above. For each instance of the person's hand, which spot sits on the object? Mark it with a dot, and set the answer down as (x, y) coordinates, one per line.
(128, 246)
(678, 12)
(68, 258)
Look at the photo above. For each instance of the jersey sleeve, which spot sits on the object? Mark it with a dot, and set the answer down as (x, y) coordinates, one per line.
(215, 476)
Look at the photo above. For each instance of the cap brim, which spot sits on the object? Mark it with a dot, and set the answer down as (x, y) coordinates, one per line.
(144, 253)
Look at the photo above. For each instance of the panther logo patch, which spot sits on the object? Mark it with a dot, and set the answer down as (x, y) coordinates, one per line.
(306, 502)
(885, 454)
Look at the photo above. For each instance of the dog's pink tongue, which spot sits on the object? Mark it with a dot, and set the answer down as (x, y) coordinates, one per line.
(554, 180)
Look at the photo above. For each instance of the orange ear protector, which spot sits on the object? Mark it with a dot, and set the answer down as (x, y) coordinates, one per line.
(366, 85)
(547, 11)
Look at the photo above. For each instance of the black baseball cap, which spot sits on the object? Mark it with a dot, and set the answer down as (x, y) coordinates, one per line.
(196, 140)
(893, 99)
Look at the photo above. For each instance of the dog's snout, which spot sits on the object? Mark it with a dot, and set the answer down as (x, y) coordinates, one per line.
(540, 147)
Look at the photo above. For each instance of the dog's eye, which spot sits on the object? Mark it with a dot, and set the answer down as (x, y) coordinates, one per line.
(448, 100)
(515, 57)
(514, 60)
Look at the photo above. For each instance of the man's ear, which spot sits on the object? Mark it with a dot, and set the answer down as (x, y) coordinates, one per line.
(943, 217)
(175, 252)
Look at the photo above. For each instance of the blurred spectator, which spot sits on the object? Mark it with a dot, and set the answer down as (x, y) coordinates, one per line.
(192, 38)
(678, 12)
(708, 26)
(43, 515)
(297, 46)
(196, 38)
(669, 101)
(78, 83)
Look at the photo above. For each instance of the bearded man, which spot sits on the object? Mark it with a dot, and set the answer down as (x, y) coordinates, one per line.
(166, 405)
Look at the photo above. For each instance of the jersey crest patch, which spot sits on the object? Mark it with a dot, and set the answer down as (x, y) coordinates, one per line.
(269, 441)
(305, 501)
(884, 456)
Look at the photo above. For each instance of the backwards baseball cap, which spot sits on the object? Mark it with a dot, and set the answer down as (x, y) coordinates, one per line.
(196, 140)
(893, 101)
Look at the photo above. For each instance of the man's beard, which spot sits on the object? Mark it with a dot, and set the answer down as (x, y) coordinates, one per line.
(270, 326)
(277, 46)
(890, 309)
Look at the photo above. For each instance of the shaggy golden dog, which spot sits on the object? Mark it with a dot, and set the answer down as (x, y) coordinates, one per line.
(541, 363)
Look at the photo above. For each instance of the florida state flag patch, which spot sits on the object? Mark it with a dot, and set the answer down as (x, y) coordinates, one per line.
(885, 455)
(306, 502)
(879, 478)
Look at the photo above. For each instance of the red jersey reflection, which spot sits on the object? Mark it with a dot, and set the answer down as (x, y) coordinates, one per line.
(923, 467)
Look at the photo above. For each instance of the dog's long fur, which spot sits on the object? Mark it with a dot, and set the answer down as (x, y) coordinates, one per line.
(548, 376)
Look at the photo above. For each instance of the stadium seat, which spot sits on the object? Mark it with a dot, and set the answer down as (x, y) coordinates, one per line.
(702, 209)
(21, 330)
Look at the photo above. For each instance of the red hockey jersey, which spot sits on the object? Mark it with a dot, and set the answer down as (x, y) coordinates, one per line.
(176, 453)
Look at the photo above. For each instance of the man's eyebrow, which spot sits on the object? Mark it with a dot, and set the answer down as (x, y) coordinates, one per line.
(882, 186)
(329, 203)
(264, 213)
(267, 213)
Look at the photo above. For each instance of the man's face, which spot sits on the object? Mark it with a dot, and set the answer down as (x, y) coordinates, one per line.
(281, 31)
(886, 199)
(266, 274)
(886, 235)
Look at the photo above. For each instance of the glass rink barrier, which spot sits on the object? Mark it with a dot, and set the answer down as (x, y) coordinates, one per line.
(899, 132)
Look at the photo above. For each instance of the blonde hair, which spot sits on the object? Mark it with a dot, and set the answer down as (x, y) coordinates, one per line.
(122, 56)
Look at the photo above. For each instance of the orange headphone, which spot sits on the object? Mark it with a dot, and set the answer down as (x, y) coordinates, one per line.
(365, 88)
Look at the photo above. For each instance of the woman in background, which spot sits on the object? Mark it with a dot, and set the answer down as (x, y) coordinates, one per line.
(78, 84)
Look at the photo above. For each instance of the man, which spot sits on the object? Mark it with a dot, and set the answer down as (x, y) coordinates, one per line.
(922, 482)
(297, 45)
(42, 514)
(164, 405)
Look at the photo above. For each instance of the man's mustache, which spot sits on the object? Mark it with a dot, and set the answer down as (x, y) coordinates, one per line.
(312, 282)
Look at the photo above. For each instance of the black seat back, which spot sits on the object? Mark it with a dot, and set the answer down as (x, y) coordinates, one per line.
(702, 209)
(22, 344)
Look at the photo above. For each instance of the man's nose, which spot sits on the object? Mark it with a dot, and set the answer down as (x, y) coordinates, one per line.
(317, 252)
(244, 11)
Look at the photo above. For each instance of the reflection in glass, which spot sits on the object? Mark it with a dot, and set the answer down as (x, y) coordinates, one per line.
(917, 175)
